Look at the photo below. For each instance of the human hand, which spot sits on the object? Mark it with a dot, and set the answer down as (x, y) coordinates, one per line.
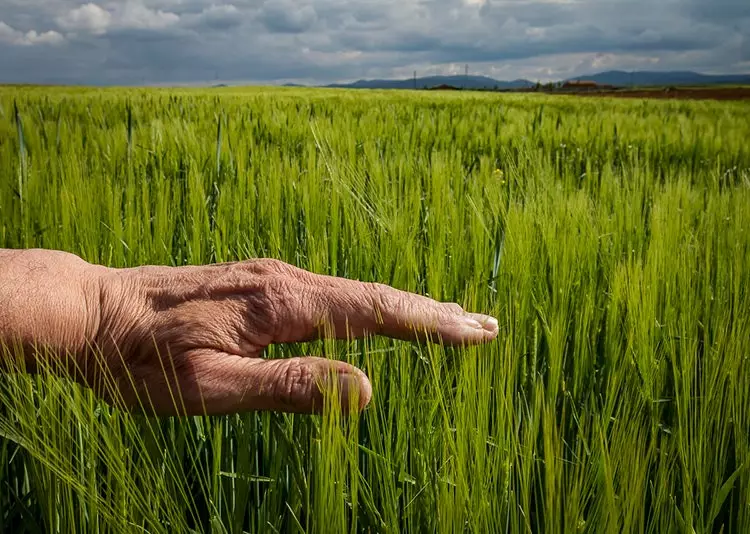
(189, 340)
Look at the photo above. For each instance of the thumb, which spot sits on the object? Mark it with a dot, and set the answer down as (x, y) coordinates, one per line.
(216, 383)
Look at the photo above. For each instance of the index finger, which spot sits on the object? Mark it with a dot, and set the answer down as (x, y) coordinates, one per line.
(351, 309)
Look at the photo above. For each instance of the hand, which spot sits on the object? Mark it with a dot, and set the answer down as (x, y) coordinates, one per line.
(189, 340)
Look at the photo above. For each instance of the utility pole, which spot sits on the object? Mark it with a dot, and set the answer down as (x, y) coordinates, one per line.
(415, 79)
(466, 76)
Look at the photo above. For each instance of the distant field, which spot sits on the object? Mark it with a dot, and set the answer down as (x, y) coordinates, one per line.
(683, 93)
(611, 238)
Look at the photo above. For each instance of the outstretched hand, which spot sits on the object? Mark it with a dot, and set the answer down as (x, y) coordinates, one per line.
(190, 340)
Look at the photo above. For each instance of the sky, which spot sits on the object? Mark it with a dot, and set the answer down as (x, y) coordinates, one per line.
(185, 42)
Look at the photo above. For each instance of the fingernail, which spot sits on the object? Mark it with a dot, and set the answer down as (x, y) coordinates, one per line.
(351, 384)
(346, 385)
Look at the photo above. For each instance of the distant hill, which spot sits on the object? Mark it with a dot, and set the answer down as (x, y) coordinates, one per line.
(655, 78)
(616, 78)
(462, 82)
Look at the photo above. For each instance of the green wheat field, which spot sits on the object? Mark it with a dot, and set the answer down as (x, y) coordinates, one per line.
(610, 238)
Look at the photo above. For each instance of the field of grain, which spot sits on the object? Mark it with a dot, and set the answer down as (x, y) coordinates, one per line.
(611, 238)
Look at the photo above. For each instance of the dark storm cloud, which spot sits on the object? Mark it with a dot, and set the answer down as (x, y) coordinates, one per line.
(287, 16)
(719, 10)
(181, 41)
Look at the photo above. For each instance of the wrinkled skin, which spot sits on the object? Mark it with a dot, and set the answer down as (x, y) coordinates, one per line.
(190, 340)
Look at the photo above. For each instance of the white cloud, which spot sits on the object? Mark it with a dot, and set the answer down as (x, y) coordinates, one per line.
(88, 17)
(12, 36)
(220, 17)
(617, 61)
(220, 10)
(130, 15)
(136, 16)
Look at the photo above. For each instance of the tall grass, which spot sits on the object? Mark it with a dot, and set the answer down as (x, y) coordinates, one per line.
(610, 238)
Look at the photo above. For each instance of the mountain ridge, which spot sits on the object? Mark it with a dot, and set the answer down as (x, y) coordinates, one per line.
(459, 81)
(613, 77)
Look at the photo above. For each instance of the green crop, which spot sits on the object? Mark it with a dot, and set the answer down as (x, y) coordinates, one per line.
(610, 238)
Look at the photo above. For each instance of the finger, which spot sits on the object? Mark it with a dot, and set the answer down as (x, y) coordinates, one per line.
(347, 308)
(215, 383)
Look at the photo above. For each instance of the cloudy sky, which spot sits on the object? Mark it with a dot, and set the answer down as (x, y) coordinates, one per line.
(316, 41)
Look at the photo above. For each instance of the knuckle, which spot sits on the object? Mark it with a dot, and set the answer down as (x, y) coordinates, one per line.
(264, 306)
(267, 267)
(276, 296)
(278, 308)
(296, 308)
(292, 385)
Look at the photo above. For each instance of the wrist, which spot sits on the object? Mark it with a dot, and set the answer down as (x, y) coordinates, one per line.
(50, 302)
